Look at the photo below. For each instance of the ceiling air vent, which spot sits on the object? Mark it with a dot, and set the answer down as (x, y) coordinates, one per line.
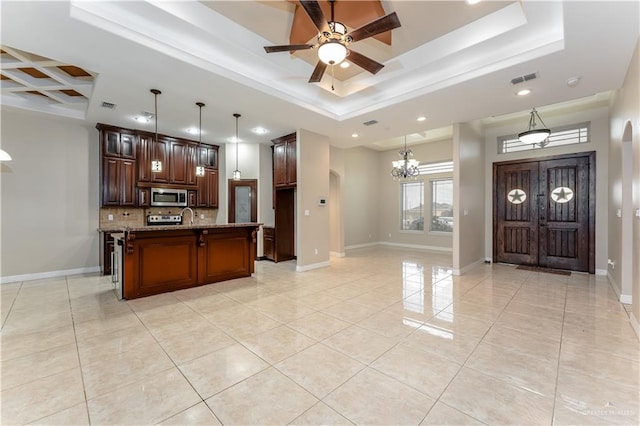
(524, 78)
(370, 122)
(108, 105)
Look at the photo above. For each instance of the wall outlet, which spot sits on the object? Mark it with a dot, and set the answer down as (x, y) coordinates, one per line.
(611, 263)
(110, 217)
(316, 251)
(202, 216)
(389, 235)
(307, 213)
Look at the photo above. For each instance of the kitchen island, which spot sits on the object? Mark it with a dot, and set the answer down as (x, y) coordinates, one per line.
(159, 259)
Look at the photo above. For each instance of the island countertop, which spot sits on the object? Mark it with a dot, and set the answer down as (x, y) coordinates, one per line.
(175, 227)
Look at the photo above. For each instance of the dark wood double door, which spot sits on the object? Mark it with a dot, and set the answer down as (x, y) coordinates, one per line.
(544, 212)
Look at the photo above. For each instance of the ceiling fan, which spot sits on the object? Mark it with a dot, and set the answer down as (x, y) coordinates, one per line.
(334, 40)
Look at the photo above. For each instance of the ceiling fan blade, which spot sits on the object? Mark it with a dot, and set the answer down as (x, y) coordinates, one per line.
(380, 25)
(312, 7)
(287, 48)
(363, 62)
(318, 72)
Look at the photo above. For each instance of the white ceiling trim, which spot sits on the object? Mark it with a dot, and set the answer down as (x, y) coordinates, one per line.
(504, 38)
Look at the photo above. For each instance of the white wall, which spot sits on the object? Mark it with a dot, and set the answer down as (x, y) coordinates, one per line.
(312, 236)
(469, 197)
(389, 198)
(50, 196)
(599, 118)
(626, 111)
(336, 201)
(361, 188)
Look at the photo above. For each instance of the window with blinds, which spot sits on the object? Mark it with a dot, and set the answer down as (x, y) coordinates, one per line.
(566, 135)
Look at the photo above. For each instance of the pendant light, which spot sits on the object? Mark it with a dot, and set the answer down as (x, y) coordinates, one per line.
(236, 172)
(407, 167)
(199, 166)
(156, 164)
(532, 135)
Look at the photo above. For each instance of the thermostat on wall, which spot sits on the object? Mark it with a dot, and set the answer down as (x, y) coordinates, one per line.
(322, 202)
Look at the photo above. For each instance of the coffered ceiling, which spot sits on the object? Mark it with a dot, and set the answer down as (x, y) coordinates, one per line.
(449, 61)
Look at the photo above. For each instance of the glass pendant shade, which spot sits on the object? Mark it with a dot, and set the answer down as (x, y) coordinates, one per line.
(4, 155)
(533, 135)
(332, 52)
(156, 166)
(199, 171)
(237, 175)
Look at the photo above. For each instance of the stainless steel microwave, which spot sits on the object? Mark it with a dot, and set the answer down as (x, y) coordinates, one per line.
(163, 197)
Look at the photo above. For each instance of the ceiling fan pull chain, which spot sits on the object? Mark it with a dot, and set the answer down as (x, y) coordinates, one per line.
(332, 88)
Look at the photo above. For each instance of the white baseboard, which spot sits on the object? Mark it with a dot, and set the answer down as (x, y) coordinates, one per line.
(49, 274)
(417, 246)
(357, 246)
(601, 272)
(312, 266)
(623, 298)
(634, 324)
(467, 268)
(336, 254)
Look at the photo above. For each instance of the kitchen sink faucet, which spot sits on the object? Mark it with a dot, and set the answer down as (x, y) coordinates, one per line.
(182, 214)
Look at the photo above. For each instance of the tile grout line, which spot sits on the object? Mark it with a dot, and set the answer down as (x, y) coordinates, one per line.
(12, 304)
(555, 392)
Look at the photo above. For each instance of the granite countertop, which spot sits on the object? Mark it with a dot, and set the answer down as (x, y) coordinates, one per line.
(174, 227)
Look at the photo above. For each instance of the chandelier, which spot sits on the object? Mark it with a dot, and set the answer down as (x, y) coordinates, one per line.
(407, 167)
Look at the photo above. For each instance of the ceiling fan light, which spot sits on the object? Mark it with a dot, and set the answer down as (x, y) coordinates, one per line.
(332, 52)
(4, 155)
(534, 136)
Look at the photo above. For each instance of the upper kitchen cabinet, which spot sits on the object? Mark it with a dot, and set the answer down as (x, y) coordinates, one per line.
(117, 143)
(178, 159)
(284, 161)
(118, 182)
(208, 156)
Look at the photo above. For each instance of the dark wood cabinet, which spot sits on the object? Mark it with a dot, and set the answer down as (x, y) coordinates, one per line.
(118, 182)
(107, 250)
(192, 198)
(269, 242)
(126, 182)
(284, 161)
(117, 144)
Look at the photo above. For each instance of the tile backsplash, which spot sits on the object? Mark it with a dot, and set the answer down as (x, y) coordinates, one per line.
(136, 217)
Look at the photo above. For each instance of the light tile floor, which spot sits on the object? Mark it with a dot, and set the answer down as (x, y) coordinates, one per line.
(382, 336)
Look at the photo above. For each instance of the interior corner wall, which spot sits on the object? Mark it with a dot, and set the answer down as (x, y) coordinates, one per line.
(469, 197)
(312, 181)
(266, 213)
(361, 185)
(626, 109)
(599, 142)
(336, 201)
(49, 195)
(388, 193)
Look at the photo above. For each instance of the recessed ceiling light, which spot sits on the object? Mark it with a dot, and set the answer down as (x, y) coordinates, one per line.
(233, 139)
(354, 135)
(344, 64)
(192, 130)
(523, 92)
(473, 1)
(421, 118)
(260, 130)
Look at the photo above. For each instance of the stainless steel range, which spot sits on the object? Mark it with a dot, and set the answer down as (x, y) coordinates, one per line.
(164, 219)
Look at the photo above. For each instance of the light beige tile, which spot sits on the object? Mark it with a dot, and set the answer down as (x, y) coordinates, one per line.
(220, 369)
(266, 398)
(319, 369)
(318, 325)
(93, 328)
(549, 328)
(443, 343)
(613, 344)
(477, 311)
(389, 324)
(320, 414)
(15, 345)
(41, 398)
(493, 401)
(442, 414)
(98, 348)
(76, 415)
(533, 373)
(567, 416)
(123, 368)
(277, 344)
(533, 344)
(243, 323)
(192, 341)
(373, 398)
(28, 368)
(360, 344)
(31, 322)
(199, 414)
(458, 324)
(428, 374)
(349, 311)
(147, 401)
